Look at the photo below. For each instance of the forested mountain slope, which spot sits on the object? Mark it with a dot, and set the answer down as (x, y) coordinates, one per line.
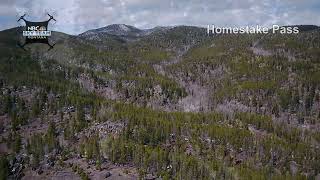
(169, 102)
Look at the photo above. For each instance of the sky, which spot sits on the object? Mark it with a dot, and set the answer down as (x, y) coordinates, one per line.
(77, 16)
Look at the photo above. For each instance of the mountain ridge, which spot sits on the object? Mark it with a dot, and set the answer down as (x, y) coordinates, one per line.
(144, 31)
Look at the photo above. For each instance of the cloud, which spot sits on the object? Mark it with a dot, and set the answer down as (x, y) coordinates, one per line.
(76, 16)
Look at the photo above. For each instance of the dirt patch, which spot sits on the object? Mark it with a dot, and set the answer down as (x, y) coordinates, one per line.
(197, 99)
(260, 51)
(115, 172)
(66, 174)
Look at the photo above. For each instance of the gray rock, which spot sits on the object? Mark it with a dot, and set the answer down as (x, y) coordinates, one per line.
(108, 174)
(293, 168)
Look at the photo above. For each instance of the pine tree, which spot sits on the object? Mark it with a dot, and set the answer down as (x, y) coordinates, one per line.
(80, 118)
(17, 143)
(51, 137)
(35, 109)
(7, 103)
(4, 168)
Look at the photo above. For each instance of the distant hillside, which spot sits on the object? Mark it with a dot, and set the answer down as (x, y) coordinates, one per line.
(304, 28)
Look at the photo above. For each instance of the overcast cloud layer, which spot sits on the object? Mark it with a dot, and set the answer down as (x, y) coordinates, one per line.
(77, 16)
